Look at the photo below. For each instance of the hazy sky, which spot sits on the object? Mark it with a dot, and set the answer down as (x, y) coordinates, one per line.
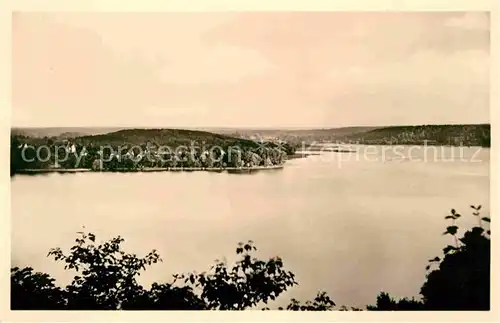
(250, 69)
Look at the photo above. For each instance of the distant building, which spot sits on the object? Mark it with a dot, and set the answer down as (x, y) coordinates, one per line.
(97, 164)
(71, 149)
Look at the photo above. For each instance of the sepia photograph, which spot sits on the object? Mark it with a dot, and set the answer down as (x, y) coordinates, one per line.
(239, 160)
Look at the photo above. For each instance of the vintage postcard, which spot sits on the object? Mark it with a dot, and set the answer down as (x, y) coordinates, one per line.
(276, 161)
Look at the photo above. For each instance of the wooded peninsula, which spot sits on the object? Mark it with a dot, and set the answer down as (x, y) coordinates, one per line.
(73, 149)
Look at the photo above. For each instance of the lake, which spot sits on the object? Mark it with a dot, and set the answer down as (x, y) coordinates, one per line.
(349, 224)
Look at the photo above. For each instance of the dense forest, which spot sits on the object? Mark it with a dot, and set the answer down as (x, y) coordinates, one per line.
(452, 135)
(297, 136)
(133, 149)
(106, 279)
(449, 135)
(456, 134)
(257, 147)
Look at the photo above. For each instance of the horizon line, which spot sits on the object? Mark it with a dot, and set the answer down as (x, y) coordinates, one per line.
(257, 127)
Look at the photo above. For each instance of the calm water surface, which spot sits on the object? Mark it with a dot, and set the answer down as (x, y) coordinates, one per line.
(349, 224)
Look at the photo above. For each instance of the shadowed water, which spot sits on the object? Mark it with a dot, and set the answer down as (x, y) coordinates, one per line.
(348, 224)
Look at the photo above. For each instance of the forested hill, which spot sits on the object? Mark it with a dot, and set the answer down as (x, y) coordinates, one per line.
(164, 137)
(467, 135)
(60, 132)
(172, 138)
(455, 135)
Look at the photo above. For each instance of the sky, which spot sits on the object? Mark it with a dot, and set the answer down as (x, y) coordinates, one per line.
(242, 69)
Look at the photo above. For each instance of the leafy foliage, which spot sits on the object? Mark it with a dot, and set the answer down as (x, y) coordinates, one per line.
(460, 280)
(321, 302)
(34, 290)
(386, 303)
(106, 279)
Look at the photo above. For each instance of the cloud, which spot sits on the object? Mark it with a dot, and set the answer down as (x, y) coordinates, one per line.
(470, 21)
(219, 64)
(174, 48)
(216, 69)
(429, 85)
(424, 69)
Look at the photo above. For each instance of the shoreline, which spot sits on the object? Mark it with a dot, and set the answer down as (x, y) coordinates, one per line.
(150, 169)
(320, 147)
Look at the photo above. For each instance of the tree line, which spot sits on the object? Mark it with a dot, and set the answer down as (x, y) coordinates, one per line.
(67, 154)
(447, 135)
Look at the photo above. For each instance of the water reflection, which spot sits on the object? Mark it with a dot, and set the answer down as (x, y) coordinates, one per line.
(351, 230)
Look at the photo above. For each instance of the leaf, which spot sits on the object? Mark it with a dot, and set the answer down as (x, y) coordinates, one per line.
(478, 207)
(477, 230)
(449, 217)
(453, 211)
(427, 267)
(435, 259)
(485, 219)
(451, 230)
